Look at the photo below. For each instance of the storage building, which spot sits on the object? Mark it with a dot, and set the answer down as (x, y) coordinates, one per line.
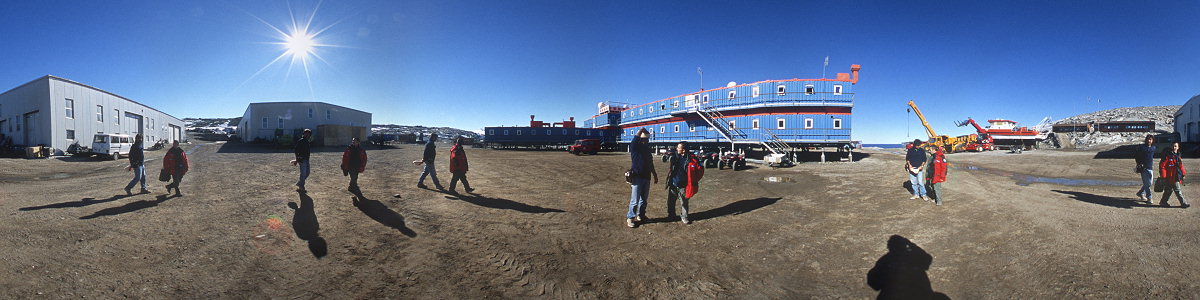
(331, 124)
(56, 112)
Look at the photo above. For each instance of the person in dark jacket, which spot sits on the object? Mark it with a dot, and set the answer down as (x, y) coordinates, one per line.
(354, 161)
(1144, 156)
(914, 164)
(303, 148)
(1171, 170)
(677, 181)
(641, 169)
(427, 159)
(458, 166)
(137, 164)
(176, 164)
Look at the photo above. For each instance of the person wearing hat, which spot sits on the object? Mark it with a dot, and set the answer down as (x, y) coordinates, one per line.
(641, 169)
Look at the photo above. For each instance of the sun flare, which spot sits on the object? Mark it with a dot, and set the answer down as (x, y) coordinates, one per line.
(300, 44)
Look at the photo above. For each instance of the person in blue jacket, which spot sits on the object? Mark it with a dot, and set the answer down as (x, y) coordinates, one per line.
(641, 169)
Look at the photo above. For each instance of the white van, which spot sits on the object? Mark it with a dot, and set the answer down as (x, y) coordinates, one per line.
(112, 146)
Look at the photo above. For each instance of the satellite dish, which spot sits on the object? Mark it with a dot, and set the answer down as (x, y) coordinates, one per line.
(730, 84)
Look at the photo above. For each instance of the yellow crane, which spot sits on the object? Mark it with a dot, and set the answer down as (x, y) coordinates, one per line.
(951, 144)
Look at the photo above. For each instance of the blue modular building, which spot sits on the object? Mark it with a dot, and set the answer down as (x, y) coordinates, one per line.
(544, 135)
(778, 116)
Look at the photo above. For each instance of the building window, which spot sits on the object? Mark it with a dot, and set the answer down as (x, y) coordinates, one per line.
(754, 124)
(576, 131)
(780, 123)
(652, 108)
(70, 108)
(675, 104)
(548, 132)
(691, 128)
(664, 106)
(809, 89)
(280, 123)
(837, 123)
(676, 127)
(732, 125)
(780, 90)
(506, 132)
(491, 132)
(837, 89)
(329, 115)
(310, 113)
(264, 123)
(564, 132)
(754, 91)
(518, 132)
(705, 98)
(117, 116)
(732, 94)
(533, 132)
(662, 129)
(100, 113)
(70, 134)
(808, 123)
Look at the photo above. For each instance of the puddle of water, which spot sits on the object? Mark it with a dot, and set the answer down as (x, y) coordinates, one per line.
(1026, 180)
(779, 179)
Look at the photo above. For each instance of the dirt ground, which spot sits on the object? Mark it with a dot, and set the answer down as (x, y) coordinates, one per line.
(550, 225)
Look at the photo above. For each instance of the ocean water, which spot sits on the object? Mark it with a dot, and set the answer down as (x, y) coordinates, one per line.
(885, 146)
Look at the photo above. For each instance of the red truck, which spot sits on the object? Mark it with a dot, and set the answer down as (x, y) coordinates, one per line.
(589, 146)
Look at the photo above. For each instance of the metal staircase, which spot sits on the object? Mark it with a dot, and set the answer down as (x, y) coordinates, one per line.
(735, 136)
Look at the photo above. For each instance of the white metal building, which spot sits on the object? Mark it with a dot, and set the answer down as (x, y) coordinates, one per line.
(57, 112)
(261, 120)
(1187, 121)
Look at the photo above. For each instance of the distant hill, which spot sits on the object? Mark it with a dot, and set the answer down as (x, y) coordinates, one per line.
(230, 125)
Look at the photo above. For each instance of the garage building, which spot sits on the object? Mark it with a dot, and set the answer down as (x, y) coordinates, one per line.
(331, 124)
(57, 112)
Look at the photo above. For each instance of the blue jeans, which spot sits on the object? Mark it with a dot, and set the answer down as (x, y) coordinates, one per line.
(1147, 183)
(429, 170)
(303, 174)
(918, 183)
(637, 199)
(139, 174)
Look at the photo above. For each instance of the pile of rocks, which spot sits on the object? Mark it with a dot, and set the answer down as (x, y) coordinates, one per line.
(1163, 117)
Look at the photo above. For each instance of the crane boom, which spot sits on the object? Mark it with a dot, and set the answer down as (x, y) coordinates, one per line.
(928, 129)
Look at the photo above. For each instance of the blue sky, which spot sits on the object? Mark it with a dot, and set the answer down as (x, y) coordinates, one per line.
(470, 64)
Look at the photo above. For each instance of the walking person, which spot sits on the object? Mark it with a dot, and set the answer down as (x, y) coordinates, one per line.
(303, 149)
(1144, 156)
(427, 159)
(458, 166)
(176, 164)
(137, 164)
(914, 163)
(1171, 170)
(677, 182)
(641, 169)
(354, 161)
(939, 174)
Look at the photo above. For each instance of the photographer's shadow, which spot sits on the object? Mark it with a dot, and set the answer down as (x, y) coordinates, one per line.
(901, 273)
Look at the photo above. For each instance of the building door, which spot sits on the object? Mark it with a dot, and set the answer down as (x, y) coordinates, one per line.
(132, 120)
(174, 134)
(31, 129)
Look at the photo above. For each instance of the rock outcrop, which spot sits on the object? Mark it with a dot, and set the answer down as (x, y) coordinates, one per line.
(1163, 117)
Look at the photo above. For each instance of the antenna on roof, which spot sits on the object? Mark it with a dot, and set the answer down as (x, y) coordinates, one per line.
(701, 72)
(825, 67)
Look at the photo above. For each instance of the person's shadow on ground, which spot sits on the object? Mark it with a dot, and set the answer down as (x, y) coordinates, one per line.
(304, 222)
(735, 208)
(129, 207)
(499, 203)
(382, 214)
(901, 273)
(81, 203)
(1126, 203)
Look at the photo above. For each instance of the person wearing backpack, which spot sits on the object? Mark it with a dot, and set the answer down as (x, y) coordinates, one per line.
(939, 174)
(176, 164)
(1172, 171)
(682, 181)
(354, 162)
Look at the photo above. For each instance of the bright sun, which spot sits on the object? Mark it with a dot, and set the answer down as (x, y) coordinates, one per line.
(300, 44)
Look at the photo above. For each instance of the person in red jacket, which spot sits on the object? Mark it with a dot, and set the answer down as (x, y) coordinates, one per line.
(458, 166)
(939, 174)
(1172, 171)
(176, 164)
(354, 161)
